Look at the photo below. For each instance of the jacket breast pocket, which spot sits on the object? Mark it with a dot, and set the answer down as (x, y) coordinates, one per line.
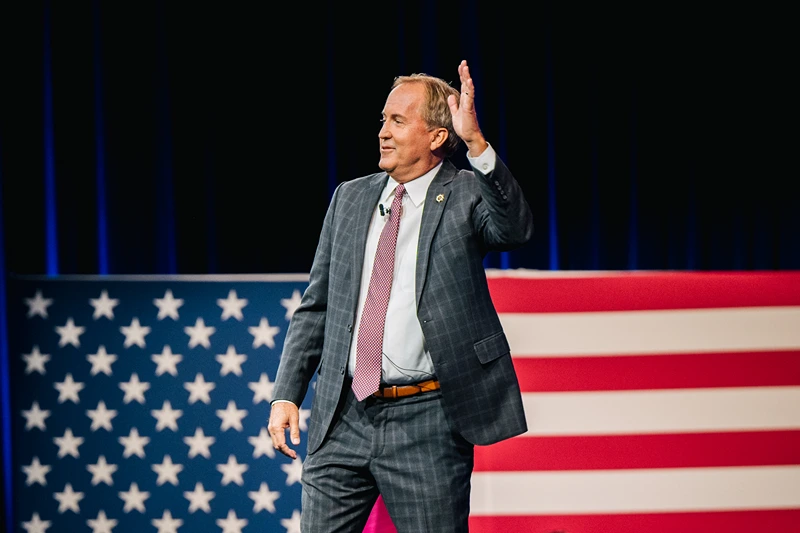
(492, 347)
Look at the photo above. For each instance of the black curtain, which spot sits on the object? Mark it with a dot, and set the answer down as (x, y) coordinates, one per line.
(165, 137)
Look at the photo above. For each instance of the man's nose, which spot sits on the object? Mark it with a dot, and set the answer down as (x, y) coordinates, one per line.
(383, 133)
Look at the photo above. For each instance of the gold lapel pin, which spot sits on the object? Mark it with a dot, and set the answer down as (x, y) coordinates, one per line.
(440, 198)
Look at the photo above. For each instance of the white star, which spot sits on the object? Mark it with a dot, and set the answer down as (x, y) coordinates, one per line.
(264, 498)
(68, 389)
(102, 524)
(134, 444)
(232, 306)
(231, 362)
(103, 306)
(68, 444)
(291, 304)
(168, 306)
(232, 471)
(36, 473)
(101, 417)
(36, 524)
(134, 498)
(167, 416)
(68, 500)
(199, 334)
(199, 498)
(69, 333)
(293, 471)
(262, 445)
(231, 524)
(134, 389)
(101, 361)
(167, 524)
(35, 361)
(101, 471)
(134, 334)
(199, 389)
(303, 421)
(231, 416)
(35, 417)
(167, 361)
(199, 444)
(292, 524)
(38, 306)
(262, 389)
(167, 471)
(263, 333)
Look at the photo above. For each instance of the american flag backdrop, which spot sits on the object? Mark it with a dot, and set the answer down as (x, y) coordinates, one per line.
(141, 404)
(656, 402)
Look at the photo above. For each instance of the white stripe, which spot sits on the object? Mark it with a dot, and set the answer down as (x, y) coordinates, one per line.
(626, 491)
(662, 411)
(652, 332)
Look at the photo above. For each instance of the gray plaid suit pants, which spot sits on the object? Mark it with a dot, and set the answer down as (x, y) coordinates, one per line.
(404, 449)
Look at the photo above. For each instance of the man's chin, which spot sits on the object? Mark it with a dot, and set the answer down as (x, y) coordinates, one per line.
(385, 166)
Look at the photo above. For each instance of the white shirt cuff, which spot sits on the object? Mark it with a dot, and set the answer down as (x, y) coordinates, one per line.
(273, 402)
(484, 163)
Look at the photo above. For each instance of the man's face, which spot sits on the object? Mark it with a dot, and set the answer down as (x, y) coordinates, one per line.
(405, 140)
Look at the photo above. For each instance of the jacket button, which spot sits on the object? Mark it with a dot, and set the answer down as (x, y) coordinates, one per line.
(349, 328)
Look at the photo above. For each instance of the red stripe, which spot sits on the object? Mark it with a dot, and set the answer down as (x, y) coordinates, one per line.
(673, 371)
(635, 291)
(767, 521)
(606, 452)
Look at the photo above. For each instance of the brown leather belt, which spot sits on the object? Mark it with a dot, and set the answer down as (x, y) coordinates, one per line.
(401, 391)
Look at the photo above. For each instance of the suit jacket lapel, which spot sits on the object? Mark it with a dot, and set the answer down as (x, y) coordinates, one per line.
(435, 202)
(363, 209)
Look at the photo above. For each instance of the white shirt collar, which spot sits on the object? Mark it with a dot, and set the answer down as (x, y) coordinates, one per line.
(416, 188)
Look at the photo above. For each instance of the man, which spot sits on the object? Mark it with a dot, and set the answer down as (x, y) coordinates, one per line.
(398, 288)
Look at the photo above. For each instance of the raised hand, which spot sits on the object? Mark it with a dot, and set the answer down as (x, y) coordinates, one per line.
(465, 120)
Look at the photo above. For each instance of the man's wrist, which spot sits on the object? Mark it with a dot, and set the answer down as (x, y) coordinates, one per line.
(477, 147)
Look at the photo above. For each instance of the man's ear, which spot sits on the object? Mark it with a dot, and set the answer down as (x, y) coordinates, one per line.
(438, 138)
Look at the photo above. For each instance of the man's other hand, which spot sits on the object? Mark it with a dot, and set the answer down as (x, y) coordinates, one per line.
(283, 416)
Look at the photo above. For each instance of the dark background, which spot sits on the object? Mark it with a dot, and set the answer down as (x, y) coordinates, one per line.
(207, 138)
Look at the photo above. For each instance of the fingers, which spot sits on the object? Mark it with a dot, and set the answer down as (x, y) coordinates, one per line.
(467, 85)
(468, 90)
(282, 417)
(288, 452)
(463, 71)
(279, 441)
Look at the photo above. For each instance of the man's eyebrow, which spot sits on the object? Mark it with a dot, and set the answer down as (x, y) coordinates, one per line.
(392, 115)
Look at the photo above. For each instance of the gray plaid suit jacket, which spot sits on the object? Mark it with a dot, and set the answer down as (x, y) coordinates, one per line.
(466, 215)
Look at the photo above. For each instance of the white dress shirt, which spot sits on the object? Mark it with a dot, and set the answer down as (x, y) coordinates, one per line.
(405, 359)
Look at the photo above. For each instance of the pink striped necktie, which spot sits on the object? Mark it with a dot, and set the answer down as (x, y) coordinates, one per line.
(369, 347)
